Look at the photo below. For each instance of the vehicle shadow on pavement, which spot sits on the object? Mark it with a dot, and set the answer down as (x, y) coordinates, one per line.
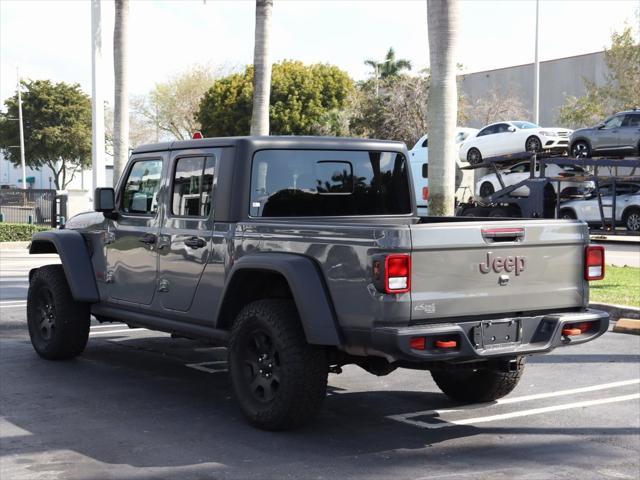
(126, 404)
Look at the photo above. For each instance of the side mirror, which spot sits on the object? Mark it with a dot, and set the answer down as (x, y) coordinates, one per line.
(600, 126)
(512, 129)
(104, 201)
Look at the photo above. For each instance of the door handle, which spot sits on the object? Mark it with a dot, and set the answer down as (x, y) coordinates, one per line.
(195, 242)
(148, 238)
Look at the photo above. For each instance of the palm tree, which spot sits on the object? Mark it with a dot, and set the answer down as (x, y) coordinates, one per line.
(442, 105)
(261, 69)
(121, 100)
(389, 67)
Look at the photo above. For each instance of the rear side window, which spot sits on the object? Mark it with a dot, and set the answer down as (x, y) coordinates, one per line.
(192, 187)
(140, 193)
(307, 183)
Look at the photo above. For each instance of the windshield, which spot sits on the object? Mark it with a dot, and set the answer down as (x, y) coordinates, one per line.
(524, 125)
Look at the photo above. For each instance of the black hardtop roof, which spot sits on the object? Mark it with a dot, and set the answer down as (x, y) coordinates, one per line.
(284, 142)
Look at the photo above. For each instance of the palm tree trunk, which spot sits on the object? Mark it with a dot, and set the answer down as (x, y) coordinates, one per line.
(261, 69)
(121, 101)
(442, 107)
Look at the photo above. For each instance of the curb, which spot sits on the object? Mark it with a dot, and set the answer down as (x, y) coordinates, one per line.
(615, 238)
(618, 311)
(627, 325)
(14, 245)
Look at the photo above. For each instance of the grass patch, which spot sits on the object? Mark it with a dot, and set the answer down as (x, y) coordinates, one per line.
(621, 285)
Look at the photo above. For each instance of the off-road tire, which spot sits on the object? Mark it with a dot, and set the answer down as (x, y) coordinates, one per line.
(480, 385)
(58, 325)
(301, 368)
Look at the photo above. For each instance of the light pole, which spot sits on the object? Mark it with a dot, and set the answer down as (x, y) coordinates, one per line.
(536, 73)
(22, 161)
(377, 71)
(97, 99)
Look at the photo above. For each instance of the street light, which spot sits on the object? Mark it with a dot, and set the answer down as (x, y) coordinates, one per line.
(376, 64)
(536, 74)
(22, 161)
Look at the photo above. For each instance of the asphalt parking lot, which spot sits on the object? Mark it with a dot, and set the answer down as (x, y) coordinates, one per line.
(141, 405)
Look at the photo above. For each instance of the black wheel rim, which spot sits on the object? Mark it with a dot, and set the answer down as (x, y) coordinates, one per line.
(533, 145)
(474, 156)
(46, 314)
(580, 150)
(261, 364)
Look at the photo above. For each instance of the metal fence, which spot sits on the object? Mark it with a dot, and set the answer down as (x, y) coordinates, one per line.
(39, 207)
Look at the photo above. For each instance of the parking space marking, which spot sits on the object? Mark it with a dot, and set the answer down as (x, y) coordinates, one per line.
(202, 366)
(109, 332)
(410, 418)
(526, 413)
(113, 325)
(13, 303)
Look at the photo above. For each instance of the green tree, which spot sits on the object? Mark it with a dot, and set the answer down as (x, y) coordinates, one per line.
(620, 91)
(57, 128)
(301, 96)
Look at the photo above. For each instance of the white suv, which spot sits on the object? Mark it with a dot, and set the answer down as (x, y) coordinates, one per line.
(627, 206)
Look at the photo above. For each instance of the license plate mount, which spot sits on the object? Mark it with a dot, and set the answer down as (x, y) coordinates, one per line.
(492, 334)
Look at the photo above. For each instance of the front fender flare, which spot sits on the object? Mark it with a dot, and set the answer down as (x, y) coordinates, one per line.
(75, 259)
(307, 286)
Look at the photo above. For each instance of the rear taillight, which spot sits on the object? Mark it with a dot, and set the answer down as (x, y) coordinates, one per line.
(397, 273)
(594, 262)
(425, 193)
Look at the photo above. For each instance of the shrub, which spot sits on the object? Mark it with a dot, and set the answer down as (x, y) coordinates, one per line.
(18, 232)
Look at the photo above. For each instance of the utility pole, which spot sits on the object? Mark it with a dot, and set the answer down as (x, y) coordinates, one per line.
(536, 73)
(97, 98)
(22, 161)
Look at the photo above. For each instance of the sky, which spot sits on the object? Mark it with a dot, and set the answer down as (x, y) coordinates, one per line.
(50, 39)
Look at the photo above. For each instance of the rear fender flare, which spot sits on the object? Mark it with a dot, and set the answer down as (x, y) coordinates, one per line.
(307, 287)
(75, 259)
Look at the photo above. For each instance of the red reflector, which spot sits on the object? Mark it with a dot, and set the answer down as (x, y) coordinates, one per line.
(197, 135)
(418, 343)
(425, 193)
(594, 262)
(567, 332)
(584, 326)
(446, 343)
(397, 273)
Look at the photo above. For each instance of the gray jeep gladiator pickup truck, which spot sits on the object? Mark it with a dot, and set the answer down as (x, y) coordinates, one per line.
(303, 255)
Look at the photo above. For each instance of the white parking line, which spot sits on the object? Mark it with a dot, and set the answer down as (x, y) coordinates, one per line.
(537, 411)
(93, 334)
(113, 325)
(201, 366)
(408, 418)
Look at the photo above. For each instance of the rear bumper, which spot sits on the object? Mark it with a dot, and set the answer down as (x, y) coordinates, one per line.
(537, 334)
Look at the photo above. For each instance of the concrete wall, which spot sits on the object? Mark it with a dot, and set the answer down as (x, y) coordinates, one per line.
(558, 79)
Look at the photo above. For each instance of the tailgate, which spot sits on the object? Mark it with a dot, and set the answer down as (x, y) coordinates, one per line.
(477, 268)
